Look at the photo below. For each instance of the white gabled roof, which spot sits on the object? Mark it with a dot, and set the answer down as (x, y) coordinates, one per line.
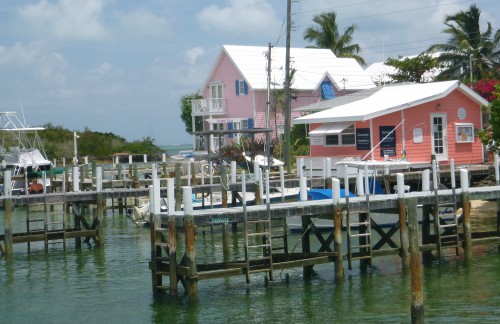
(388, 100)
(311, 65)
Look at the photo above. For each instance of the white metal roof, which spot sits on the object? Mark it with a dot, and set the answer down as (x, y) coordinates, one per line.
(388, 100)
(311, 65)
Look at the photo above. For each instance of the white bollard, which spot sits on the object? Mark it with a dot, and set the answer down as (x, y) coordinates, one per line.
(155, 197)
(400, 179)
(256, 171)
(464, 180)
(360, 188)
(303, 189)
(328, 168)
(163, 158)
(130, 159)
(76, 179)
(426, 185)
(154, 171)
(233, 171)
(171, 195)
(145, 158)
(336, 191)
(300, 167)
(98, 179)
(187, 200)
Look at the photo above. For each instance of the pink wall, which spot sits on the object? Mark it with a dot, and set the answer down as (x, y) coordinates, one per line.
(237, 106)
(419, 117)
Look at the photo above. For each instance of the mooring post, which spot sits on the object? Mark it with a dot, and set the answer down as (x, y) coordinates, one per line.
(402, 220)
(172, 235)
(178, 192)
(7, 202)
(190, 237)
(224, 184)
(306, 241)
(426, 218)
(101, 203)
(417, 291)
(337, 229)
(194, 180)
(464, 184)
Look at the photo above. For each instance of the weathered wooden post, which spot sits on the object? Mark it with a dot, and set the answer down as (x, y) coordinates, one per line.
(426, 218)
(101, 204)
(224, 184)
(306, 240)
(7, 202)
(194, 180)
(190, 237)
(172, 235)
(464, 184)
(402, 220)
(417, 291)
(178, 192)
(337, 230)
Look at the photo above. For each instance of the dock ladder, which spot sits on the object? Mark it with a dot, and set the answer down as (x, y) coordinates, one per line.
(43, 220)
(446, 230)
(360, 230)
(258, 245)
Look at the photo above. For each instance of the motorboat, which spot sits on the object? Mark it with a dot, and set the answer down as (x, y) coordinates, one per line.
(21, 152)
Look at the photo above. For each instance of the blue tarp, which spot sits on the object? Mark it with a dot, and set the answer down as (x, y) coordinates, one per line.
(318, 194)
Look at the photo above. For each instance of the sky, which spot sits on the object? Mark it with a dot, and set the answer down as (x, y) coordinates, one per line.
(122, 66)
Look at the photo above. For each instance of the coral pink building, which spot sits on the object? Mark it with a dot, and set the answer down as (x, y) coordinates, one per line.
(412, 121)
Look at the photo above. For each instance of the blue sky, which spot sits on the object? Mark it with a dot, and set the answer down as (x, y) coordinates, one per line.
(122, 66)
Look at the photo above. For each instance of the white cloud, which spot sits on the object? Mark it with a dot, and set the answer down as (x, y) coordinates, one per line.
(240, 17)
(193, 54)
(103, 69)
(52, 69)
(19, 54)
(66, 19)
(145, 23)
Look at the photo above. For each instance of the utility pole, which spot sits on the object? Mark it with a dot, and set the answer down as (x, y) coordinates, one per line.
(286, 146)
(470, 68)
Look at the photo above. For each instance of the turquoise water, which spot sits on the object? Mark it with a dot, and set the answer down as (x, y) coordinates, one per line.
(113, 284)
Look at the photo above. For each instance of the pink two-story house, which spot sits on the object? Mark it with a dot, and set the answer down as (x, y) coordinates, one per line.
(235, 91)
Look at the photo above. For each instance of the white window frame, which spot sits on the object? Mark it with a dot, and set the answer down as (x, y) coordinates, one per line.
(244, 124)
(241, 87)
(464, 132)
(349, 131)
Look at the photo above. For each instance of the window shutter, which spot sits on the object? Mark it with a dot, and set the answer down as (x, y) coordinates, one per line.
(327, 90)
(250, 123)
(237, 87)
(230, 127)
(245, 85)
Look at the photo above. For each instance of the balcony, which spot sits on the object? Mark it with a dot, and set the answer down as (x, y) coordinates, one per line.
(210, 106)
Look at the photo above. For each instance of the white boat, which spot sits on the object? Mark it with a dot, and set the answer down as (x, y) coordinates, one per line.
(22, 153)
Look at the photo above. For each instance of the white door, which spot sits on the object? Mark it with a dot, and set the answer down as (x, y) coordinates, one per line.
(438, 137)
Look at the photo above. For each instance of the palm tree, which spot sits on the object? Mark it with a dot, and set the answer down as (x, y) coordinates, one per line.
(327, 35)
(468, 48)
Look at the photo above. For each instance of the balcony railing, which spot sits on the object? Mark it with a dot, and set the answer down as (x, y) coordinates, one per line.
(210, 106)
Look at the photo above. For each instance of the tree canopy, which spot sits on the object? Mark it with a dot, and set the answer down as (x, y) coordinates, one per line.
(327, 35)
(186, 113)
(468, 48)
(412, 69)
